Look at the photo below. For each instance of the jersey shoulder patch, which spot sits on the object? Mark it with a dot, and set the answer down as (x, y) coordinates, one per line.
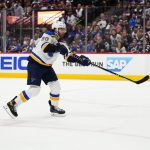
(50, 33)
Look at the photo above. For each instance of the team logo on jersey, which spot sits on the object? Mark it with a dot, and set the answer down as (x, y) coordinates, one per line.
(33, 80)
(117, 64)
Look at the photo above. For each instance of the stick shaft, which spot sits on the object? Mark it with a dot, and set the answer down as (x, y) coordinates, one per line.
(121, 76)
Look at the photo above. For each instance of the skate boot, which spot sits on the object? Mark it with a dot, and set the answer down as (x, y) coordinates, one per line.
(11, 108)
(56, 111)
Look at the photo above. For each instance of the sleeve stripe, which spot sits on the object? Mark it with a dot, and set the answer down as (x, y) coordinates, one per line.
(68, 56)
(44, 45)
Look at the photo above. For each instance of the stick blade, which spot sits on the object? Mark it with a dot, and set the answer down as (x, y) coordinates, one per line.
(142, 80)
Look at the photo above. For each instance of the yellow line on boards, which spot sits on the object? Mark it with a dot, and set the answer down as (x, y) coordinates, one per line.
(74, 76)
(13, 75)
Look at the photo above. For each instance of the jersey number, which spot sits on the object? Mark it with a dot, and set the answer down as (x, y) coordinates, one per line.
(45, 39)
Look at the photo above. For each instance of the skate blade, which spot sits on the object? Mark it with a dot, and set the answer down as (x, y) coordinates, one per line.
(57, 115)
(6, 108)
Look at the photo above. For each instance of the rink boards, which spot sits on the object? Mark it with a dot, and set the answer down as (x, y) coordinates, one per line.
(131, 65)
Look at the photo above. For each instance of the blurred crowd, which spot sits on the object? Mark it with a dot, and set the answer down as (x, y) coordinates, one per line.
(113, 26)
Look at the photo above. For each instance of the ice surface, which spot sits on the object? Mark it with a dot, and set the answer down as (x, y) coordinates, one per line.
(101, 115)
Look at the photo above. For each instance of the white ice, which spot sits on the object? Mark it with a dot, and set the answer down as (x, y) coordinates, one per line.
(101, 115)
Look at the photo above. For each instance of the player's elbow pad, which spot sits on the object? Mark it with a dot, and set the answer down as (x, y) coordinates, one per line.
(47, 47)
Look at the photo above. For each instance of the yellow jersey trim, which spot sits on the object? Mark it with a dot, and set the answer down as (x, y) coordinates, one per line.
(68, 56)
(40, 62)
(44, 46)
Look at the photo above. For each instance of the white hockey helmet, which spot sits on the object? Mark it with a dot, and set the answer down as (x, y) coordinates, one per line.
(58, 24)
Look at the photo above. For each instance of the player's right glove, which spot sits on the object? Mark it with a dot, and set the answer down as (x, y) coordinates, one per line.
(83, 60)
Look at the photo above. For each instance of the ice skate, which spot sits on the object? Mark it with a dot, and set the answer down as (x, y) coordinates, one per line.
(11, 108)
(56, 111)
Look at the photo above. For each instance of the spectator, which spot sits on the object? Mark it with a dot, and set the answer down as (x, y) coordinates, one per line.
(125, 26)
(107, 42)
(3, 5)
(93, 30)
(147, 36)
(26, 45)
(132, 8)
(44, 5)
(9, 8)
(8, 39)
(133, 21)
(35, 5)
(63, 18)
(148, 25)
(34, 41)
(62, 5)
(71, 19)
(69, 6)
(15, 46)
(99, 45)
(94, 24)
(119, 29)
(120, 48)
(73, 47)
(81, 31)
(79, 11)
(114, 39)
(18, 9)
(118, 10)
(133, 47)
(138, 10)
(71, 34)
(139, 38)
(102, 22)
(91, 46)
(147, 48)
(134, 32)
(28, 9)
(79, 42)
(126, 39)
(148, 8)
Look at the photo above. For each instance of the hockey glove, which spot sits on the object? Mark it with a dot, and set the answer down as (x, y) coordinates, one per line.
(83, 60)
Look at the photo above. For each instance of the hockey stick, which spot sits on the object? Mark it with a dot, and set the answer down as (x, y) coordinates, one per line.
(137, 82)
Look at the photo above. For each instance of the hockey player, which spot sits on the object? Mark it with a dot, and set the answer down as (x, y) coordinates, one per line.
(40, 68)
